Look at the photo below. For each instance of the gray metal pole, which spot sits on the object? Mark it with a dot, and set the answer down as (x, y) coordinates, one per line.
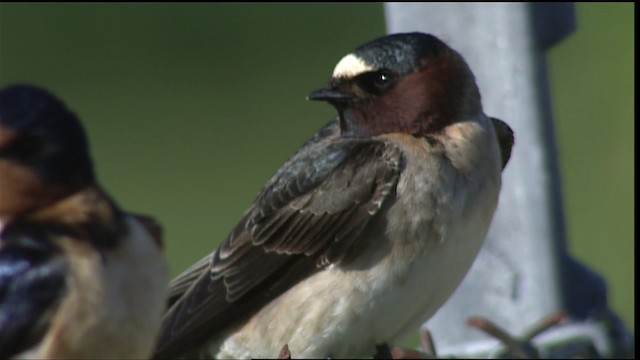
(523, 272)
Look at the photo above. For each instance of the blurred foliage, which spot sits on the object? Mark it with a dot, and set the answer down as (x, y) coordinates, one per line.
(191, 107)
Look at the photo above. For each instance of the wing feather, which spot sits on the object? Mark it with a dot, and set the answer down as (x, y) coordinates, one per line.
(311, 213)
(32, 282)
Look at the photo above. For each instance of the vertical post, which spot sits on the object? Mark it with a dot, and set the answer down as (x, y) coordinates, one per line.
(523, 272)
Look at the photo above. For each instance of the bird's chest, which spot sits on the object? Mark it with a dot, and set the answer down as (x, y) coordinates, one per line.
(418, 249)
(425, 243)
(435, 228)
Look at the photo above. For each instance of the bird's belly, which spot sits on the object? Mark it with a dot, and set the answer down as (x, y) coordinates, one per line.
(416, 256)
(346, 312)
(412, 297)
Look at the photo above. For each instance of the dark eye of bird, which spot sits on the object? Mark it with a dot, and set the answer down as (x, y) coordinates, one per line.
(375, 82)
(24, 148)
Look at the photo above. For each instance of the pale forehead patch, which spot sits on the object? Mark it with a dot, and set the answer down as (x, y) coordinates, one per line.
(350, 66)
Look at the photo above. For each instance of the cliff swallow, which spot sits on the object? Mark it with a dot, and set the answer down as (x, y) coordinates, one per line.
(79, 278)
(363, 234)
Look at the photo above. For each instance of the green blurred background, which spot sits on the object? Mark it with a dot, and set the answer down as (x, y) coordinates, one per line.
(190, 108)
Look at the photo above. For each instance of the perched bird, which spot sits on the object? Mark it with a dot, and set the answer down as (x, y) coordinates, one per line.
(365, 232)
(79, 278)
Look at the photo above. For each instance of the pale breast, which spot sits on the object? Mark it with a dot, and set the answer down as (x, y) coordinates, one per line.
(428, 237)
(446, 199)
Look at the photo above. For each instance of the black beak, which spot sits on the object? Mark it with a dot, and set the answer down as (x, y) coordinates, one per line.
(330, 95)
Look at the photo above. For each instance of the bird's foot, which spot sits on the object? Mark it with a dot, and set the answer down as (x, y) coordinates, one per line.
(427, 349)
(285, 353)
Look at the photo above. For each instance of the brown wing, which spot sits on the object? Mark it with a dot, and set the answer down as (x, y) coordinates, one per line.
(183, 282)
(310, 214)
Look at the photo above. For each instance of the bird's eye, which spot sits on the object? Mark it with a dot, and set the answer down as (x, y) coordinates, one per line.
(375, 82)
(23, 148)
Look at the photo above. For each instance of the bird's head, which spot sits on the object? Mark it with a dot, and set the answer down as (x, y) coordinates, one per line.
(408, 82)
(44, 154)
